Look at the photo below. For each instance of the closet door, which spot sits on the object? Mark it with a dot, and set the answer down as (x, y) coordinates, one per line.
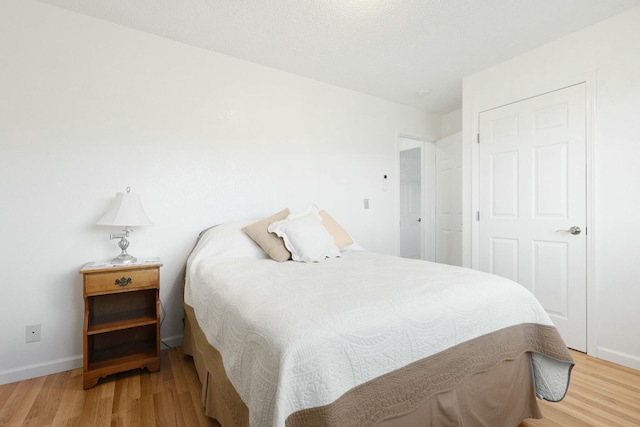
(532, 183)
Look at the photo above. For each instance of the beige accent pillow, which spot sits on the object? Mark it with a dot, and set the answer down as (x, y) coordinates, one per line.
(269, 242)
(340, 237)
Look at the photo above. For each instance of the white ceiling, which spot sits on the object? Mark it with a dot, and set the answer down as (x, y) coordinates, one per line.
(390, 49)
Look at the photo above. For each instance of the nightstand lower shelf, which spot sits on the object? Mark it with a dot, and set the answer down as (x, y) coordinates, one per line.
(107, 367)
(121, 321)
(120, 351)
(135, 354)
(113, 345)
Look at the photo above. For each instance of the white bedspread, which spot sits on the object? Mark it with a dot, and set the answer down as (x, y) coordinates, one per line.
(285, 329)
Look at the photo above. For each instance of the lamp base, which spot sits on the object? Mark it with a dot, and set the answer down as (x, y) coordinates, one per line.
(124, 259)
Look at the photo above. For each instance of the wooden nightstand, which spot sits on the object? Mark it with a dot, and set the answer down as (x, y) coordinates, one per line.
(121, 319)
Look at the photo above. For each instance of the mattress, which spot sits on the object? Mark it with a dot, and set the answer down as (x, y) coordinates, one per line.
(295, 337)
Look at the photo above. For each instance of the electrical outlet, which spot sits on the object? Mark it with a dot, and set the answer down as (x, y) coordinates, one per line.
(33, 333)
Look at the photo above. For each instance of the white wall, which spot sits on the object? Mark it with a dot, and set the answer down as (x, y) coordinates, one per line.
(89, 107)
(451, 123)
(607, 57)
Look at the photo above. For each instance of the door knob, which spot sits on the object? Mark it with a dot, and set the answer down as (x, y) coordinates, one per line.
(419, 219)
(575, 230)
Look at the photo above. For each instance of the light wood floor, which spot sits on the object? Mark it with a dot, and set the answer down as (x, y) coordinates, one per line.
(601, 394)
(170, 397)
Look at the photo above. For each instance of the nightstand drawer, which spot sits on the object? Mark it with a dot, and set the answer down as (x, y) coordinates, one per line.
(122, 280)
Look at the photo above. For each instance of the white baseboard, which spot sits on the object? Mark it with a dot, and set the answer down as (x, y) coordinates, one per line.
(27, 372)
(39, 369)
(620, 358)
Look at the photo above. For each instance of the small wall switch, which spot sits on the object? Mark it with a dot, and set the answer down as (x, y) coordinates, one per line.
(33, 333)
(366, 203)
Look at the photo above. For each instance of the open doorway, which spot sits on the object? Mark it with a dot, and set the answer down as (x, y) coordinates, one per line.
(430, 199)
(416, 205)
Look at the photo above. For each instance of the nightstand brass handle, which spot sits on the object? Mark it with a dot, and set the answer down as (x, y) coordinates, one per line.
(124, 281)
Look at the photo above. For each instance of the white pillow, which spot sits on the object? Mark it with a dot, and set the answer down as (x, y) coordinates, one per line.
(227, 241)
(305, 237)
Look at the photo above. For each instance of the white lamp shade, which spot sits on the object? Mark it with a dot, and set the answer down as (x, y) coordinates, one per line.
(126, 211)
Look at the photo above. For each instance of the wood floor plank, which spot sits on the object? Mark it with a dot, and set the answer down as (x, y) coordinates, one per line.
(19, 404)
(610, 401)
(71, 402)
(6, 391)
(90, 409)
(44, 408)
(150, 384)
(178, 375)
(165, 408)
(147, 411)
(189, 412)
(127, 389)
(103, 413)
(70, 406)
(601, 394)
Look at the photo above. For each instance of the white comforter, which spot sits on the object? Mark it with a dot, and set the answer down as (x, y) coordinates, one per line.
(296, 335)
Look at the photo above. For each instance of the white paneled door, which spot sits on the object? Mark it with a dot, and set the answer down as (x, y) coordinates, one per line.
(449, 200)
(532, 186)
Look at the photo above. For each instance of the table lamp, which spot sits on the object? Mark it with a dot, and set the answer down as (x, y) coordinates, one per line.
(125, 211)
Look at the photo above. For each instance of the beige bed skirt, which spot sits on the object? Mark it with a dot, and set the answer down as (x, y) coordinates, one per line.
(491, 385)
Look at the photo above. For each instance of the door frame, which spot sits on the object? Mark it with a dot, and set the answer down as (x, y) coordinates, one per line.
(471, 200)
(427, 189)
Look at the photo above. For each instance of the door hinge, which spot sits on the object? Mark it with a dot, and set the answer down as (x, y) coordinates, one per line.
(477, 215)
(478, 138)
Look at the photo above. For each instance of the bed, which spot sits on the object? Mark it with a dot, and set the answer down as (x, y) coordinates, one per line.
(363, 339)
